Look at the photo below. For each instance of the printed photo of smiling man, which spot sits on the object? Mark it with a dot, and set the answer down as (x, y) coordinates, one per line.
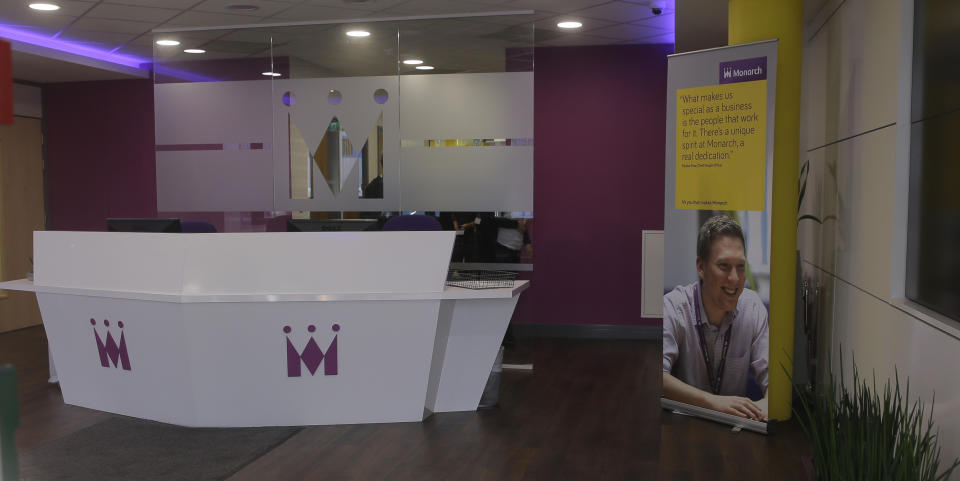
(715, 331)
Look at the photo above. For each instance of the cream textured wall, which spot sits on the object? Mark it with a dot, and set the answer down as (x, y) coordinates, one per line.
(856, 54)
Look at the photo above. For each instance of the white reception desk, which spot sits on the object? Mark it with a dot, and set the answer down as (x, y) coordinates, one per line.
(265, 329)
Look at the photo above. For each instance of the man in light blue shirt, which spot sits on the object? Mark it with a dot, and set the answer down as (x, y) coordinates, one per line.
(715, 331)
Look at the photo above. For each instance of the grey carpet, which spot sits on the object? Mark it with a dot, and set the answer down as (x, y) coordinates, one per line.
(134, 449)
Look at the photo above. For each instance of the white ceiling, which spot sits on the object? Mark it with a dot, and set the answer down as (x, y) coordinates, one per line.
(125, 27)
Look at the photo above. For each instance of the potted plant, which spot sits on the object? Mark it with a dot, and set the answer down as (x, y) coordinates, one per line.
(869, 435)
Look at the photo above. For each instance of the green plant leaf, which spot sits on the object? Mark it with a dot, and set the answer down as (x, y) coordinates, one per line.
(870, 433)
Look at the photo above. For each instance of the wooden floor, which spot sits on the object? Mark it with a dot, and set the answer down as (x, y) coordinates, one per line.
(589, 411)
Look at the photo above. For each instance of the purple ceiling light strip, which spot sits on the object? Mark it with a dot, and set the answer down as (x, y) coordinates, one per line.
(70, 47)
(75, 48)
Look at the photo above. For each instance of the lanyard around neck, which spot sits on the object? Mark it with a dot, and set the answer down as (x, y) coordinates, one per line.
(715, 381)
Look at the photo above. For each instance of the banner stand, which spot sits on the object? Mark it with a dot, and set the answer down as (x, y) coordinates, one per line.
(721, 105)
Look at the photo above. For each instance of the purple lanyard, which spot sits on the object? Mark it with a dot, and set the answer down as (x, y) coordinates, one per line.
(715, 382)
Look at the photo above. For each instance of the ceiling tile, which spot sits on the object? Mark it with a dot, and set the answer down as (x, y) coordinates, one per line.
(204, 19)
(117, 26)
(667, 5)
(194, 35)
(665, 22)
(473, 27)
(369, 5)
(574, 40)
(71, 8)
(195, 39)
(516, 19)
(27, 22)
(439, 7)
(617, 12)
(126, 12)
(173, 4)
(100, 40)
(318, 13)
(266, 8)
(589, 24)
(145, 44)
(560, 6)
(628, 31)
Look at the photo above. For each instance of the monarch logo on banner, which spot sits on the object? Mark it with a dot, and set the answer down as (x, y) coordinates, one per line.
(110, 351)
(311, 356)
(744, 70)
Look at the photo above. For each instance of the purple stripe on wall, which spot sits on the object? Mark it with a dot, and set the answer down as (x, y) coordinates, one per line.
(196, 147)
(600, 124)
(181, 147)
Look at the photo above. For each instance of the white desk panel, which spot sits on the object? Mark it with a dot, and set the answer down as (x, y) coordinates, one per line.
(247, 263)
(469, 334)
(110, 260)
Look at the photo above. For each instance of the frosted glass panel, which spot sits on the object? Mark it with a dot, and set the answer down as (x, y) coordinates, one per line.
(305, 118)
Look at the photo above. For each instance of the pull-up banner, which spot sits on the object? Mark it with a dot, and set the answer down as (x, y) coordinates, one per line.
(719, 164)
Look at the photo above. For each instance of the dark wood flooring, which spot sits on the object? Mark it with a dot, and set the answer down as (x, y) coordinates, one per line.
(589, 411)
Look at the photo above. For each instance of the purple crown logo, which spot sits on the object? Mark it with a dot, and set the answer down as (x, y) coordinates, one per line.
(312, 356)
(110, 350)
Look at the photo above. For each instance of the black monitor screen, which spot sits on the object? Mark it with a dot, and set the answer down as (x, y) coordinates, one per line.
(143, 225)
(330, 225)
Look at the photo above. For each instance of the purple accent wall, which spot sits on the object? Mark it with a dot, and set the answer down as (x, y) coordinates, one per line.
(99, 152)
(600, 124)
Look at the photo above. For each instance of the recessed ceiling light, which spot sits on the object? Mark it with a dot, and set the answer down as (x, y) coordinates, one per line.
(237, 7)
(194, 50)
(570, 24)
(358, 33)
(271, 74)
(413, 61)
(168, 43)
(424, 67)
(46, 7)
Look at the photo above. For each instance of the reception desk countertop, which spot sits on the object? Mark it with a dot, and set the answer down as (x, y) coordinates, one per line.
(448, 293)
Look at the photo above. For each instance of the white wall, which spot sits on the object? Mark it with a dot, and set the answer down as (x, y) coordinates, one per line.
(852, 134)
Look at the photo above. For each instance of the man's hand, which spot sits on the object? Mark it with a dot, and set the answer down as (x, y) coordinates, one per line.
(738, 406)
(678, 390)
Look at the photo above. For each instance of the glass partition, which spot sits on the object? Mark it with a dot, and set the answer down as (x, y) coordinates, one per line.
(351, 120)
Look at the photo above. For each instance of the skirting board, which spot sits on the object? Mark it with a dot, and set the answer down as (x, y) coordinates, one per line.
(587, 331)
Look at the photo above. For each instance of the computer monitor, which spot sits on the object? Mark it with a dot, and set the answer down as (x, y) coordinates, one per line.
(330, 225)
(144, 225)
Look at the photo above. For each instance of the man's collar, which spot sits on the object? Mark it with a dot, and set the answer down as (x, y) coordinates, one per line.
(728, 316)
